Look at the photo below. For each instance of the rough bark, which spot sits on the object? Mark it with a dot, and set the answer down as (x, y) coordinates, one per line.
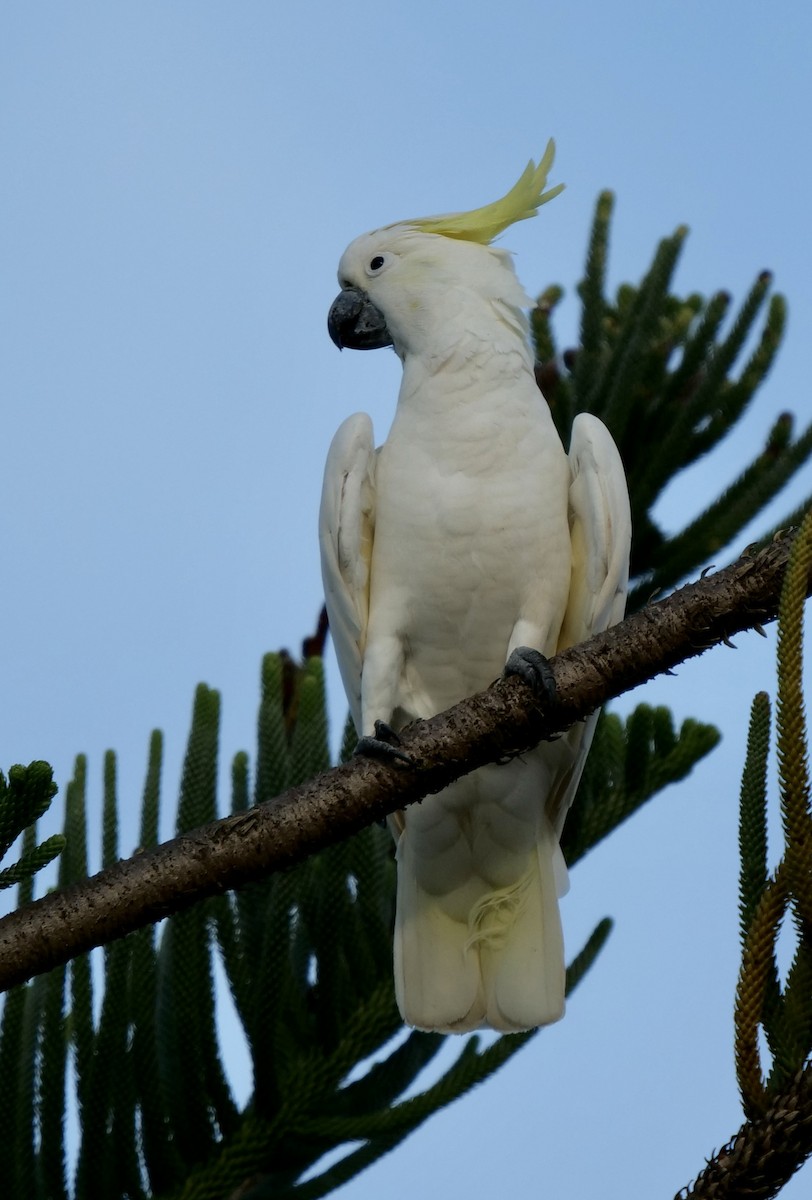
(765, 1153)
(501, 721)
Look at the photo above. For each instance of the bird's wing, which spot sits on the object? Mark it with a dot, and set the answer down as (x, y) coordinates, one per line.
(600, 533)
(346, 524)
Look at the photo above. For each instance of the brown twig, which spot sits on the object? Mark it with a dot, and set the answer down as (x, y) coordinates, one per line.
(484, 728)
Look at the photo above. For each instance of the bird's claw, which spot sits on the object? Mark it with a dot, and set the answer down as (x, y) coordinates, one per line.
(384, 744)
(534, 669)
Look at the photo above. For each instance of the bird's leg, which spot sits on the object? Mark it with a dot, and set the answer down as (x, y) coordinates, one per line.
(383, 667)
(531, 666)
(383, 744)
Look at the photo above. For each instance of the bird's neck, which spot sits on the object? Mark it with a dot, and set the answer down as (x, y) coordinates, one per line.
(456, 353)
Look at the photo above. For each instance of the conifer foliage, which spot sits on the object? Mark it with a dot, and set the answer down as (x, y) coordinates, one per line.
(783, 1009)
(660, 371)
(773, 1010)
(132, 1038)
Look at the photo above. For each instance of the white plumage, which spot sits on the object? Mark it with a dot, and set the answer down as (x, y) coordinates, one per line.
(468, 534)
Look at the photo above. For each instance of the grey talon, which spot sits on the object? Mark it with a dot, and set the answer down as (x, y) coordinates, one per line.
(384, 744)
(387, 734)
(534, 669)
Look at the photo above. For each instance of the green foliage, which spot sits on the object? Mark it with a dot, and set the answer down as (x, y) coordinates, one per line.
(26, 1033)
(23, 799)
(628, 764)
(783, 1010)
(658, 369)
(307, 953)
(308, 959)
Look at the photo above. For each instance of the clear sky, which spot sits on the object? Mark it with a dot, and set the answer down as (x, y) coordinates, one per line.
(179, 179)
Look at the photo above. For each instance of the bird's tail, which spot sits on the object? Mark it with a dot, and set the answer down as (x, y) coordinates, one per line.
(497, 961)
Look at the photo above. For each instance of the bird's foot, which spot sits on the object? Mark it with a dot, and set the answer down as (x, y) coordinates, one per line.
(532, 667)
(384, 744)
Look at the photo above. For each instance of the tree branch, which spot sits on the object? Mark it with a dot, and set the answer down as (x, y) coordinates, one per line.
(501, 721)
(765, 1153)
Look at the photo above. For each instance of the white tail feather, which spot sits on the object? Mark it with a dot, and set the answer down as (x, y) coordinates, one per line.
(503, 967)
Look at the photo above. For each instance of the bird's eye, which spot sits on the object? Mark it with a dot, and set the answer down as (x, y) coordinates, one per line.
(378, 263)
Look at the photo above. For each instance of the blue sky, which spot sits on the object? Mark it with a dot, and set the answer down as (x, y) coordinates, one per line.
(179, 180)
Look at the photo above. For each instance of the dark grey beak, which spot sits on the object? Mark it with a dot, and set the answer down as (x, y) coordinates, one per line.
(355, 322)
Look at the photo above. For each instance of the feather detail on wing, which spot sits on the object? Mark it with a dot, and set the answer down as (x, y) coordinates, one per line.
(346, 528)
(600, 534)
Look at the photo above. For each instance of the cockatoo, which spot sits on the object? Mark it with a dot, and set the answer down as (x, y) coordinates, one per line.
(463, 546)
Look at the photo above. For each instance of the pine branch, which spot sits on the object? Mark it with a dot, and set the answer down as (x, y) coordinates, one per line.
(502, 721)
(765, 1153)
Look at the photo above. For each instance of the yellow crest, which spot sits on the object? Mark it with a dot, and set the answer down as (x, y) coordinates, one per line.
(484, 224)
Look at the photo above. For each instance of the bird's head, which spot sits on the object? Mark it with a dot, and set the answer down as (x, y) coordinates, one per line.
(401, 283)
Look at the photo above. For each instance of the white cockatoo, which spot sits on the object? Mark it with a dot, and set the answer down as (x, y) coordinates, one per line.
(468, 537)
